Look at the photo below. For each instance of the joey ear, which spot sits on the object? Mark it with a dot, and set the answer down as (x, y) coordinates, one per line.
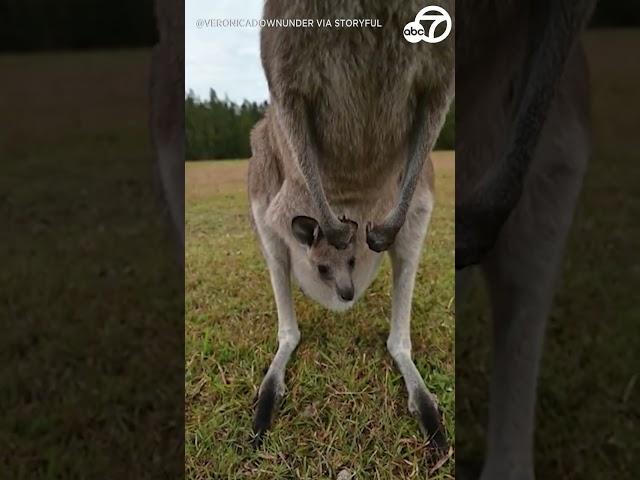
(306, 230)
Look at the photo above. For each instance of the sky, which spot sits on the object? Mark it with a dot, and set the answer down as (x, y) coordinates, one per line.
(225, 59)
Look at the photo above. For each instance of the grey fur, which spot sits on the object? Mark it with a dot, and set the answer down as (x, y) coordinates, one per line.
(522, 256)
(554, 27)
(351, 104)
(354, 114)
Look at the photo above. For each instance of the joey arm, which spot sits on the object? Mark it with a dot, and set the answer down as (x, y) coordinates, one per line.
(294, 117)
(430, 113)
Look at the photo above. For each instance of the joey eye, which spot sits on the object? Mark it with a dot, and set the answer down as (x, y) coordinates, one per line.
(323, 269)
(352, 262)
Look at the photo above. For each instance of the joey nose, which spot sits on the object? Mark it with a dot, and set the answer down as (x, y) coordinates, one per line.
(346, 294)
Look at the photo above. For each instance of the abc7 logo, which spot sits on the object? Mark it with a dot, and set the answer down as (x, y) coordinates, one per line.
(414, 32)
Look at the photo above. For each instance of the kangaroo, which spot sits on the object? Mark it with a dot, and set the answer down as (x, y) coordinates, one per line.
(517, 181)
(340, 172)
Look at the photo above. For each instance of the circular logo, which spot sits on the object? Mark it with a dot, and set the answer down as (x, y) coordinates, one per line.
(414, 32)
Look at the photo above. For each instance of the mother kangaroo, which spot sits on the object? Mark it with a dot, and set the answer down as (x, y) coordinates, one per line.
(340, 169)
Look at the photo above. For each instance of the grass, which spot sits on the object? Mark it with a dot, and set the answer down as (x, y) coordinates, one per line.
(589, 396)
(90, 292)
(346, 403)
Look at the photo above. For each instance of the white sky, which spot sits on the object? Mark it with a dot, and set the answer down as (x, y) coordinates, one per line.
(225, 59)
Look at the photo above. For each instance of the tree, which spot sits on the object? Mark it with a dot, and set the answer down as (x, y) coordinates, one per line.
(219, 129)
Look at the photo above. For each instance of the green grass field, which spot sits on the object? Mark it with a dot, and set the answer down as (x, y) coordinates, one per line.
(345, 408)
(90, 285)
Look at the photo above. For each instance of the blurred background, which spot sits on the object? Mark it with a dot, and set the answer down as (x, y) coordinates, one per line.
(91, 292)
(588, 413)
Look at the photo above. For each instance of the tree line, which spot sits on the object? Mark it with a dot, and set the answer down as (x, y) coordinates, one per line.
(219, 128)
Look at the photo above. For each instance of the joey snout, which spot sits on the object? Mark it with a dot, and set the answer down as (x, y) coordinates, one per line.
(345, 292)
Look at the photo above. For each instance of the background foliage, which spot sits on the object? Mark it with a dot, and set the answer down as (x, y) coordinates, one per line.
(217, 128)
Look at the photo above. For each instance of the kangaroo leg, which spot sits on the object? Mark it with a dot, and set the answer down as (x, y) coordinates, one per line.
(521, 274)
(431, 110)
(405, 255)
(272, 387)
(521, 298)
(293, 114)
